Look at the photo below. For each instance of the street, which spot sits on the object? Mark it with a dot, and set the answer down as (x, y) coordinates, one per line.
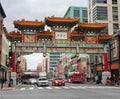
(70, 91)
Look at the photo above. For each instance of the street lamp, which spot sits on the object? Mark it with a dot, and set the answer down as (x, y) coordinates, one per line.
(117, 36)
(110, 58)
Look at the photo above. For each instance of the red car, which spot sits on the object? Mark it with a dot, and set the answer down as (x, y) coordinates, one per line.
(58, 82)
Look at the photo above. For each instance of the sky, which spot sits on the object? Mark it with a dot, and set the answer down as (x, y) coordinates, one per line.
(35, 9)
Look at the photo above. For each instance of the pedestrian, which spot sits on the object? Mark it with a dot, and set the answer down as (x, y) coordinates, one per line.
(108, 82)
(10, 82)
(118, 80)
(66, 72)
(2, 83)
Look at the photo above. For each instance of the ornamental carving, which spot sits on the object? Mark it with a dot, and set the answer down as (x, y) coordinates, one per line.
(91, 40)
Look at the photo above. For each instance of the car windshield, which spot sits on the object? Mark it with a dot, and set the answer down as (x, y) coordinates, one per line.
(42, 78)
(32, 79)
(58, 79)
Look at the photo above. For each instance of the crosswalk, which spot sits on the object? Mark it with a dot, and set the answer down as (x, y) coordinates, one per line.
(70, 87)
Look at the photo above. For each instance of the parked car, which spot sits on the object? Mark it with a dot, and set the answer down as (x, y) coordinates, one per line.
(32, 81)
(58, 82)
(42, 81)
(25, 81)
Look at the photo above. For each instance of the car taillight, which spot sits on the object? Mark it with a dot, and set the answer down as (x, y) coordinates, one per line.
(56, 81)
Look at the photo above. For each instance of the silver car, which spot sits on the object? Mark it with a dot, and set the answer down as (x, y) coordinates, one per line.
(42, 81)
(32, 81)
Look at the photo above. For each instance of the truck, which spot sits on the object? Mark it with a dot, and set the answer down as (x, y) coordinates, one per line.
(75, 77)
(80, 71)
(42, 74)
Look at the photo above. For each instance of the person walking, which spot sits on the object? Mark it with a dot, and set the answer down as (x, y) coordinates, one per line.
(108, 82)
(66, 73)
(118, 80)
(2, 83)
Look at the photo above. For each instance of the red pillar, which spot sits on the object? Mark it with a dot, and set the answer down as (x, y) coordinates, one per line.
(13, 62)
(105, 61)
(13, 58)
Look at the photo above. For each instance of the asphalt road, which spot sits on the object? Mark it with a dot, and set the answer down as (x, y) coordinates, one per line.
(70, 91)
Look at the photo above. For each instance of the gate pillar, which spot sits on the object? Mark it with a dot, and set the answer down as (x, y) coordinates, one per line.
(13, 58)
(105, 55)
(106, 73)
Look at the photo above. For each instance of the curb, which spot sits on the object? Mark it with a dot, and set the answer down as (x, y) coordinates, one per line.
(10, 88)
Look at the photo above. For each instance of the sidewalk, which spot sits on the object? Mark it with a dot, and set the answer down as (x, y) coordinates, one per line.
(94, 83)
(6, 87)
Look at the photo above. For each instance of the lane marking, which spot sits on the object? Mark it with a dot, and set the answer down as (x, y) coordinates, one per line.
(48, 87)
(74, 87)
(22, 89)
(57, 87)
(66, 87)
(40, 87)
(31, 88)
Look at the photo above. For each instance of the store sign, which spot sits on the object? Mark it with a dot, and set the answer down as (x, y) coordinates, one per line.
(61, 29)
(29, 38)
(60, 35)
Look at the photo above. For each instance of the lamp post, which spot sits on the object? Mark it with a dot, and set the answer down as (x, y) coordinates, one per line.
(117, 36)
(110, 58)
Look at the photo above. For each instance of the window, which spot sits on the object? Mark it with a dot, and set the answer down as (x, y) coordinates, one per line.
(114, 1)
(115, 27)
(115, 17)
(98, 1)
(100, 13)
(76, 12)
(84, 15)
(105, 30)
(114, 9)
(115, 13)
(113, 50)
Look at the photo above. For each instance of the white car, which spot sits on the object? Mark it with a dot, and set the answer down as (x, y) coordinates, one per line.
(32, 81)
(42, 81)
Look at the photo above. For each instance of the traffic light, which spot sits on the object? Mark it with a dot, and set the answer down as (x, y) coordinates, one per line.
(77, 54)
(9, 59)
(10, 55)
(44, 54)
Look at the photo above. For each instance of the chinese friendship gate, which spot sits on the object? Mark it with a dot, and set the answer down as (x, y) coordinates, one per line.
(67, 35)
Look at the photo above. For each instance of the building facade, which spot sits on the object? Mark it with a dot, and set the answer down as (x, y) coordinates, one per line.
(4, 48)
(66, 58)
(53, 61)
(105, 11)
(22, 66)
(77, 12)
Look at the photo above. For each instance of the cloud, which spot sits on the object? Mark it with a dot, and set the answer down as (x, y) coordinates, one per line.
(33, 60)
(36, 9)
